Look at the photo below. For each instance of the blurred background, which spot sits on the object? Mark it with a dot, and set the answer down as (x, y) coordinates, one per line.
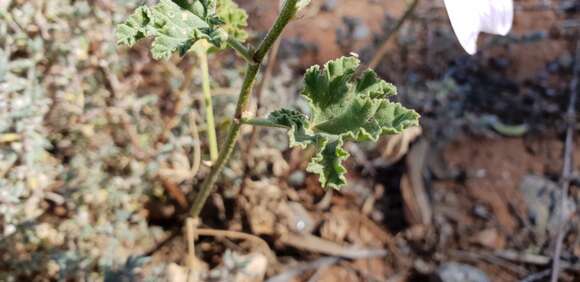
(97, 146)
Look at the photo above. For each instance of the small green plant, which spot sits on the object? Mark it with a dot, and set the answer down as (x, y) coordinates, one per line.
(343, 104)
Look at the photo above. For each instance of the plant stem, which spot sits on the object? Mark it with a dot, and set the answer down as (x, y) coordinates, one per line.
(385, 44)
(242, 50)
(286, 14)
(228, 147)
(262, 122)
(208, 105)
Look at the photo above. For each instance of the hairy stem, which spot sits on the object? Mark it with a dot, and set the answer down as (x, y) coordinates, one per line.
(242, 50)
(262, 122)
(286, 14)
(208, 105)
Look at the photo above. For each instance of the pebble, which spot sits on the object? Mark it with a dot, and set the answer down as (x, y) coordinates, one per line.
(458, 272)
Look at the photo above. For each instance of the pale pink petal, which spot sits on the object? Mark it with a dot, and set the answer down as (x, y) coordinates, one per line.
(470, 17)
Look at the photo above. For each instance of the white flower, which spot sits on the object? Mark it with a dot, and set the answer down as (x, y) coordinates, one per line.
(470, 17)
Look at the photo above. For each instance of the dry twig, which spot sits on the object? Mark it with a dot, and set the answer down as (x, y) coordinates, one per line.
(190, 228)
(385, 44)
(291, 273)
(568, 166)
(243, 236)
(319, 245)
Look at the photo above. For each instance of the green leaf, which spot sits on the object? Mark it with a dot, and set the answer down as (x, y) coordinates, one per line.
(134, 28)
(174, 25)
(235, 19)
(342, 107)
(328, 163)
(297, 123)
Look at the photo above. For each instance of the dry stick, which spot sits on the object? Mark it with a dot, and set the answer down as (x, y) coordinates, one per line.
(240, 236)
(292, 272)
(537, 276)
(385, 45)
(288, 12)
(568, 164)
(316, 244)
(190, 227)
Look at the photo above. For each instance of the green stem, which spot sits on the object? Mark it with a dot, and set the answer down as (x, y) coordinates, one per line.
(208, 105)
(286, 14)
(245, 52)
(262, 122)
(288, 11)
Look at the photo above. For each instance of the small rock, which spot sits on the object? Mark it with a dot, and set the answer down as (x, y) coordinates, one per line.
(299, 219)
(542, 197)
(297, 178)
(240, 268)
(490, 238)
(458, 272)
(176, 273)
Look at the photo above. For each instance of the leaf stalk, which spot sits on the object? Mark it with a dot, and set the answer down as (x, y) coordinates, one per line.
(243, 51)
(262, 122)
(208, 104)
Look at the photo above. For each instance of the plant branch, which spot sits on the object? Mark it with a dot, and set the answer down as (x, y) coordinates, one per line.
(287, 13)
(242, 50)
(385, 44)
(261, 122)
(568, 165)
(208, 104)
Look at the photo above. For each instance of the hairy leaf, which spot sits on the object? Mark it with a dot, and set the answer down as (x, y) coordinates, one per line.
(328, 163)
(174, 25)
(235, 19)
(299, 132)
(342, 106)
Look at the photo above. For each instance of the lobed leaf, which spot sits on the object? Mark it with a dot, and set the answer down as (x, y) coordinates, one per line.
(342, 107)
(235, 19)
(177, 25)
(297, 124)
(328, 163)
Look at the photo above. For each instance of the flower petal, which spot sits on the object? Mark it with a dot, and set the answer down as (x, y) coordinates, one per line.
(469, 18)
(497, 17)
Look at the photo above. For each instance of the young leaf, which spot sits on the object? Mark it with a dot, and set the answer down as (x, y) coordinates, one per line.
(174, 25)
(342, 106)
(328, 163)
(297, 123)
(235, 19)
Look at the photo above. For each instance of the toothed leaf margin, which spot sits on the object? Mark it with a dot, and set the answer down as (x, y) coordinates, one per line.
(342, 108)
